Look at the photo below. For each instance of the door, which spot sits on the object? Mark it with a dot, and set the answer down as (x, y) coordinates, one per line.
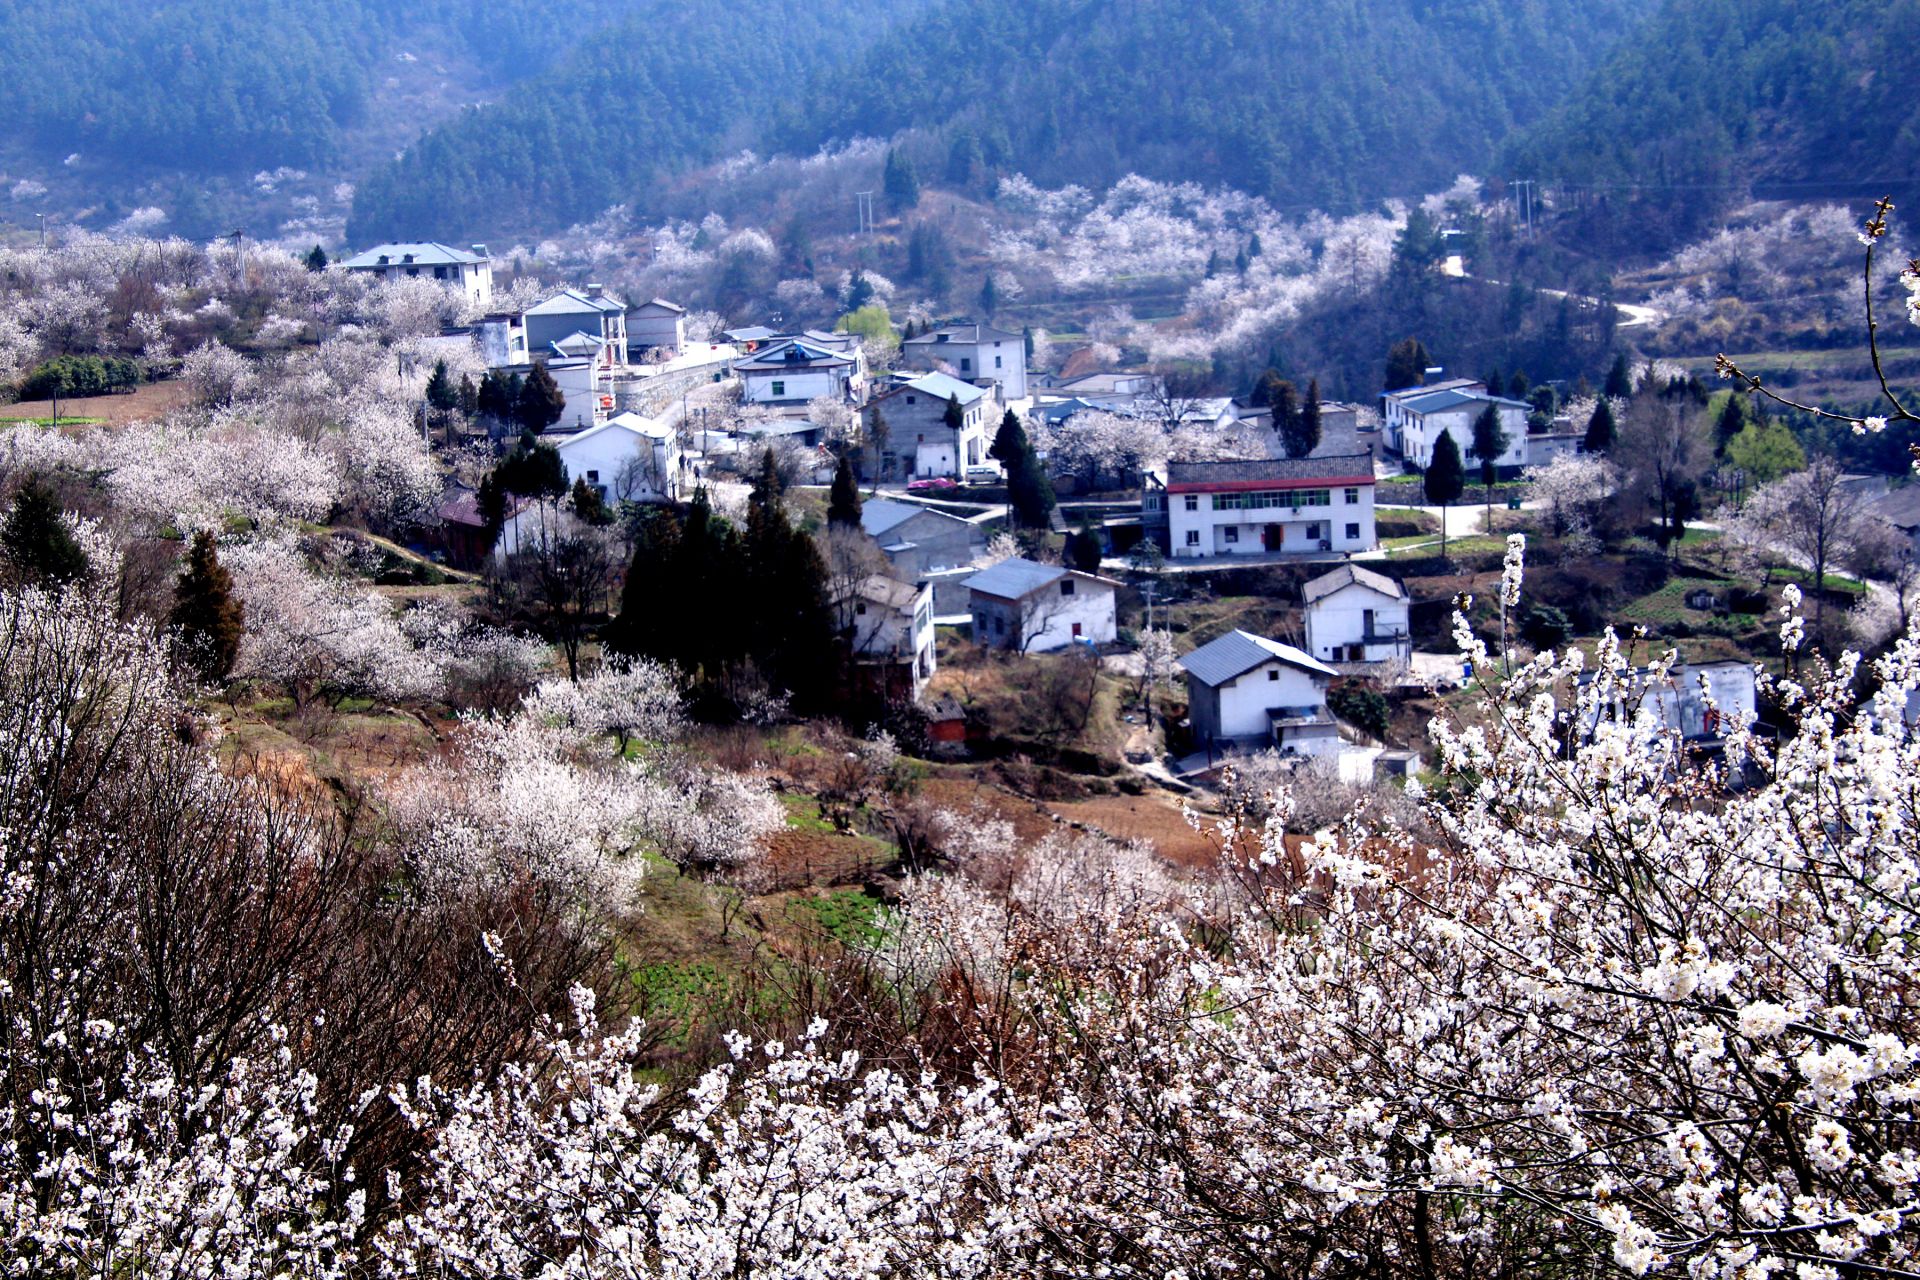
(1270, 537)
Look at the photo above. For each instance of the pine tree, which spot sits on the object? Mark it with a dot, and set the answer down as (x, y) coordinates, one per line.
(441, 392)
(1300, 432)
(1254, 247)
(1445, 481)
(1214, 265)
(642, 628)
(989, 297)
(1010, 441)
(209, 619)
(1600, 429)
(955, 417)
(901, 183)
(469, 396)
(1489, 442)
(1619, 379)
(316, 259)
(1267, 387)
(1496, 386)
(1406, 364)
(1284, 400)
(587, 502)
(35, 539)
(843, 500)
(1518, 386)
(789, 626)
(540, 401)
(1731, 422)
(1083, 549)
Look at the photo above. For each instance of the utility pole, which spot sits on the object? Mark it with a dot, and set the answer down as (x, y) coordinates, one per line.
(865, 199)
(1151, 584)
(43, 231)
(1523, 191)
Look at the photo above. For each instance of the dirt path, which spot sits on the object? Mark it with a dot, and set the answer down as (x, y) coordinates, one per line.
(140, 404)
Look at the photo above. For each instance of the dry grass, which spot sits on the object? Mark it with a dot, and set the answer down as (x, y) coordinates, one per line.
(141, 404)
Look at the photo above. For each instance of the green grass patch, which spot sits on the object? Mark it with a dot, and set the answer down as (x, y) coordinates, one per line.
(64, 420)
(803, 814)
(673, 998)
(848, 916)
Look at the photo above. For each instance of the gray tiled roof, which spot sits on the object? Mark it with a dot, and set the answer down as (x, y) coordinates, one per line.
(1238, 652)
(425, 253)
(963, 334)
(1900, 507)
(1014, 579)
(1335, 466)
(1328, 583)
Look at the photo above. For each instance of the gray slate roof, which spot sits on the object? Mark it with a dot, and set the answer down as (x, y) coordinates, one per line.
(963, 334)
(1333, 466)
(1900, 507)
(1328, 583)
(1439, 401)
(880, 515)
(792, 355)
(1014, 579)
(425, 253)
(1238, 652)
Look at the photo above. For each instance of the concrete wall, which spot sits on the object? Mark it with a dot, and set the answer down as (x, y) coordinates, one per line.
(1346, 522)
(1339, 620)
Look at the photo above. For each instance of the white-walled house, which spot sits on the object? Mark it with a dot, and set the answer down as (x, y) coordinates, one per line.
(1393, 414)
(1453, 412)
(889, 626)
(972, 353)
(1266, 505)
(1037, 608)
(1247, 689)
(657, 325)
(919, 440)
(1356, 615)
(628, 459)
(789, 373)
(593, 312)
(469, 272)
(1679, 703)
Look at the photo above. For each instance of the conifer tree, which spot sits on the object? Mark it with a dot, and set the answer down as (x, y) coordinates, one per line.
(1489, 442)
(843, 500)
(441, 392)
(1732, 420)
(901, 182)
(989, 297)
(1518, 386)
(540, 401)
(1619, 380)
(1300, 433)
(1445, 481)
(1600, 429)
(1496, 386)
(1406, 364)
(36, 540)
(316, 259)
(209, 619)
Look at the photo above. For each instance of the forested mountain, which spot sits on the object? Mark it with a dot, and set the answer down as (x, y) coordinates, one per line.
(1314, 102)
(673, 84)
(1716, 98)
(210, 85)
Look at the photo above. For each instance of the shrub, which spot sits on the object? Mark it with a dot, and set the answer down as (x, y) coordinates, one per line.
(1364, 708)
(80, 376)
(1544, 626)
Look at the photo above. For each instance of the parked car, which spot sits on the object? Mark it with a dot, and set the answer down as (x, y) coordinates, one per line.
(983, 475)
(936, 484)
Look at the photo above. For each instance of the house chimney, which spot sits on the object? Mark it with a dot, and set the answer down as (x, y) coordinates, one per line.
(1432, 373)
(479, 251)
(595, 290)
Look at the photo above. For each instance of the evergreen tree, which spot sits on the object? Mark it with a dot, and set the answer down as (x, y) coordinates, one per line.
(1214, 264)
(642, 629)
(955, 417)
(1495, 385)
(989, 297)
(36, 541)
(1619, 379)
(1406, 364)
(901, 182)
(587, 503)
(540, 401)
(1267, 388)
(1241, 261)
(1518, 386)
(441, 392)
(209, 619)
(1026, 338)
(1730, 423)
(1489, 442)
(1300, 432)
(789, 624)
(1254, 247)
(468, 396)
(316, 259)
(843, 500)
(1029, 491)
(1445, 481)
(1083, 549)
(1009, 442)
(1600, 429)
(965, 161)
(1284, 400)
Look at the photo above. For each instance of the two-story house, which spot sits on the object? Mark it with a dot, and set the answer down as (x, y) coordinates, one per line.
(1248, 690)
(919, 440)
(972, 353)
(1265, 505)
(469, 272)
(656, 325)
(1424, 419)
(888, 625)
(1356, 615)
(1393, 404)
(1037, 608)
(787, 373)
(919, 541)
(626, 459)
(552, 323)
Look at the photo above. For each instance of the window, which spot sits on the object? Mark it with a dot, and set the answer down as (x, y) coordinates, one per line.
(1352, 496)
(593, 477)
(1193, 537)
(1076, 631)
(966, 365)
(860, 609)
(779, 388)
(1273, 673)
(1233, 533)
(1066, 588)
(997, 362)
(1353, 530)
(1272, 498)
(1193, 502)
(910, 400)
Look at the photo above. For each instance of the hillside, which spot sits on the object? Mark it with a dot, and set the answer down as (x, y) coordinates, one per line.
(1317, 103)
(1717, 97)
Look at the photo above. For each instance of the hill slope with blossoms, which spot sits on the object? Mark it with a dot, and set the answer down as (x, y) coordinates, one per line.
(1319, 104)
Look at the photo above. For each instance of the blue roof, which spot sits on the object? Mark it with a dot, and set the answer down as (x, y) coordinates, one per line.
(1238, 652)
(946, 387)
(877, 515)
(1440, 400)
(1015, 578)
(411, 253)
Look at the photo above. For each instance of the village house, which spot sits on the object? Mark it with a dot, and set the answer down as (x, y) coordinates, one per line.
(625, 459)
(1037, 608)
(918, 437)
(1311, 505)
(552, 324)
(889, 627)
(1900, 508)
(919, 541)
(1393, 413)
(972, 353)
(1356, 615)
(1247, 690)
(471, 273)
(1424, 419)
(1701, 716)
(657, 325)
(789, 372)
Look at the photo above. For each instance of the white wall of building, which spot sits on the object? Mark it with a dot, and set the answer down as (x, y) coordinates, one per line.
(601, 456)
(1421, 432)
(1047, 619)
(777, 388)
(1339, 620)
(1246, 700)
(1345, 523)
